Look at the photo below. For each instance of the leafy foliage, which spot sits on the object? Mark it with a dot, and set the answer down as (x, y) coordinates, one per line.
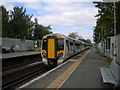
(5, 23)
(73, 35)
(105, 21)
(118, 17)
(87, 41)
(19, 25)
(41, 31)
(76, 36)
(20, 22)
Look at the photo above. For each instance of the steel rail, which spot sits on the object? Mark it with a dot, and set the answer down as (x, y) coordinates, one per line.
(20, 79)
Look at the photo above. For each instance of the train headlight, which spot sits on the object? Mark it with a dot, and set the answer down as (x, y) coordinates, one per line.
(60, 55)
(44, 54)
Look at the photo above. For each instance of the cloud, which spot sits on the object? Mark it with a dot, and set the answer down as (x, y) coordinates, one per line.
(68, 14)
(75, 28)
(33, 5)
(50, 0)
(86, 34)
(62, 13)
(72, 15)
(21, 0)
(8, 6)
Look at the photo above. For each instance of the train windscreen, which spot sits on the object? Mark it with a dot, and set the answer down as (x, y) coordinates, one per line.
(60, 44)
(44, 45)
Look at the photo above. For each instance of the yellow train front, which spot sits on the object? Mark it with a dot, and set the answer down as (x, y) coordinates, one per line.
(52, 49)
(56, 48)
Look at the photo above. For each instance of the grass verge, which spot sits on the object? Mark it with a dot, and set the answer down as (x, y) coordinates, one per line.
(99, 52)
(107, 62)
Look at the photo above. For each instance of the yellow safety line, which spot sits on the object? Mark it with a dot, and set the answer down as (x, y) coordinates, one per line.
(58, 82)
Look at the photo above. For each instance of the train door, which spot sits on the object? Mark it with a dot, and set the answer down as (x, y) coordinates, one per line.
(51, 48)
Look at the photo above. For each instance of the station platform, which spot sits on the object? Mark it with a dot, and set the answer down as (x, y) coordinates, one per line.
(83, 71)
(18, 54)
(87, 74)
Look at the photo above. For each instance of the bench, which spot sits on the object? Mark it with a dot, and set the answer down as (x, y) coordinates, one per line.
(111, 74)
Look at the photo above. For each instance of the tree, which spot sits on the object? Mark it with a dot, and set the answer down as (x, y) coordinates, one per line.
(105, 21)
(118, 17)
(0, 21)
(41, 31)
(73, 35)
(88, 41)
(20, 23)
(84, 40)
(5, 22)
(76, 36)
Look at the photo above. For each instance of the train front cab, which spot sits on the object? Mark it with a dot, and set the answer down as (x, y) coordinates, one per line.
(52, 50)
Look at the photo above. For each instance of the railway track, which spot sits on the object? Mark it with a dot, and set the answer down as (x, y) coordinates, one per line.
(22, 67)
(29, 74)
(14, 62)
(12, 83)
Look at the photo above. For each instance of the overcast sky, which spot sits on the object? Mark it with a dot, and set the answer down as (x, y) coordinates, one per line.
(65, 16)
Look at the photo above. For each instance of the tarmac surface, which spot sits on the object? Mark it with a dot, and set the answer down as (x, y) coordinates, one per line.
(85, 75)
(18, 54)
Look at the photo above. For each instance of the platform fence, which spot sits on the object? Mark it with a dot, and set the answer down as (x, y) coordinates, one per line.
(111, 51)
(19, 45)
(118, 48)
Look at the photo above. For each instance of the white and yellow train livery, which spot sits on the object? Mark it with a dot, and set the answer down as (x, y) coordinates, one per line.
(56, 48)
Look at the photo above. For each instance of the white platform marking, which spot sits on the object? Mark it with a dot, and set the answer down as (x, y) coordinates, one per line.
(23, 86)
(73, 60)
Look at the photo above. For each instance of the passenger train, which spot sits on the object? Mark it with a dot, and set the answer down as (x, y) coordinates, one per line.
(56, 48)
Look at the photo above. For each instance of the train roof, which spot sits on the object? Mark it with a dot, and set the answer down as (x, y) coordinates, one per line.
(55, 34)
(66, 37)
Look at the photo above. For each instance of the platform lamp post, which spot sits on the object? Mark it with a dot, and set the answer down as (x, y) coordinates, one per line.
(115, 30)
(28, 34)
(98, 36)
(28, 40)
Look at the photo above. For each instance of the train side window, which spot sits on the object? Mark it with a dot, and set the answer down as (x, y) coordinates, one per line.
(60, 44)
(71, 45)
(67, 45)
(77, 46)
(44, 45)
